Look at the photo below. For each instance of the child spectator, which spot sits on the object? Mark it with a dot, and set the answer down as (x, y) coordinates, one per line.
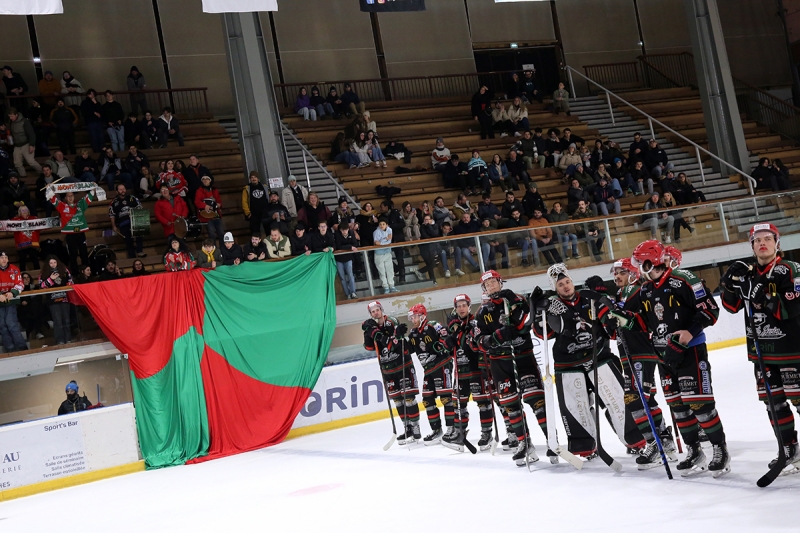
(55, 275)
(231, 252)
(209, 256)
(303, 107)
(440, 155)
(177, 257)
(383, 257)
(27, 242)
(11, 286)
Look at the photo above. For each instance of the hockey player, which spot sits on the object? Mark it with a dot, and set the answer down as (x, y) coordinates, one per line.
(472, 379)
(425, 340)
(772, 285)
(645, 360)
(578, 332)
(505, 337)
(383, 335)
(675, 306)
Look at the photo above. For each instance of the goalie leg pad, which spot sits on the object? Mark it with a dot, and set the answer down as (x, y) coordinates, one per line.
(573, 399)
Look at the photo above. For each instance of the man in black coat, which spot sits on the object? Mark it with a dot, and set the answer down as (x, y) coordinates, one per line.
(74, 403)
(481, 108)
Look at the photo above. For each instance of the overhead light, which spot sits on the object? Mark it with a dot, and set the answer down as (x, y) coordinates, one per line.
(37, 60)
(514, 45)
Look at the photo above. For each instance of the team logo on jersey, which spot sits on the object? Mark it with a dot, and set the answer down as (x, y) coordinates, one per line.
(796, 284)
(675, 283)
(637, 366)
(781, 269)
(659, 311)
(759, 319)
(699, 290)
(702, 365)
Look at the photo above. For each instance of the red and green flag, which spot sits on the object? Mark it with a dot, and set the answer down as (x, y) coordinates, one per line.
(221, 361)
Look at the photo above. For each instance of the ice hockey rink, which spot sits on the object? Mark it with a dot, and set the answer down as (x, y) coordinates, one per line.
(343, 481)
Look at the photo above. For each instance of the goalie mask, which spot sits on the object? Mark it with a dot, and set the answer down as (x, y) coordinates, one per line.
(557, 272)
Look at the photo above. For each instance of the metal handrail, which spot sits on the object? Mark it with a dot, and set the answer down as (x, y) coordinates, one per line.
(750, 180)
(307, 154)
(643, 60)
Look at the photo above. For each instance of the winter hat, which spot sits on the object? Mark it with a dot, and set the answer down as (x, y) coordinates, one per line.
(439, 140)
(292, 178)
(3, 253)
(72, 386)
(617, 159)
(228, 237)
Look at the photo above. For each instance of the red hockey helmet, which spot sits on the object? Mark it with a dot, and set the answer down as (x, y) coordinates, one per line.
(625, 264)
(490, 274)
(372, 305)
(461, 298)
(673, 255)
(418, 309)
(651, 252)
(765, 227)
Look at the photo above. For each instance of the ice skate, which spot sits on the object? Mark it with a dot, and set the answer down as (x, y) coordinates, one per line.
(435, 437)
(454, 439)
(721, 462)
(485, 441)
(792, 452)
(407, 437)
(695, 461)
(553, 456)
(650, 457)
(670, 450)
(525, 449)
(509, 444)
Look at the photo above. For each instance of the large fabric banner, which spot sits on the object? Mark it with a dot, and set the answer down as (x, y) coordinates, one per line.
(31, 7)
(239, 6)
(222, 361)
(378, 6)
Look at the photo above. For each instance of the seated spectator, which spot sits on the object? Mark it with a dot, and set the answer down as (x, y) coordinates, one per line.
(177, 257)
(516, 170)
(493, 245)
(601, 172)
(135, 161)
(132, 129)
(45, 178)
(147, 184)
(658, 220)
(510, 204)
(461, 206)
(481, 110)
(429, 252)
(119, 211)
(209, 209)
(767, 178)
(112, 169)
(466, 247)
(532, 200)
(478, 171)
(137, 270)
(168, 209)
(456, 175)
(499, 175)
(500, 121)
(600, 155)
(552, 151)
(110, 272)
(589, 231)
(619, 172)
(61, 167)
(318, 103)
(73, 403)
(209, 256)
(584, 178)
(570, 157)
(338, 108)
(577, 194)
(55, 275)
(781, 175)
(10, 287)
(605, 198)
(255, 250)
(313, 212)
(441, 214)
(278, 245)
(568, 138)
(369, 124)
(518, 116)
(586, 158)
(561, 100)
(685, 193)
(530, 91)
(525, 152)
(637, 150)
(31, 313)
(167, 126)
(542, 239)
(301, 240)
(85, 167)
(148, 130)
(303, 107)
(345, 240)
(383, 257)
(64, 120)
(342, 151)
(410, 221)
(113, 117)
(352, 104)
(13, 195)
(656, 160)
(541, 145)
(173, 179)
(563, 232)
(488, 210)
(27, 242)
(85, 274)
(669, 201)
(231, 252)
(640, 177)
(440, 155)
(520, 239)
(374, 149)
(361, 148)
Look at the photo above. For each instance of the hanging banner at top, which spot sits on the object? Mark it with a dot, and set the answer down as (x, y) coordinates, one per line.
(31, 7)
(239, 6)
(380, 6)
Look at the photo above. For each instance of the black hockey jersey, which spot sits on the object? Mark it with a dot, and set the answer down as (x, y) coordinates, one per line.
(427, 343)
(392, 352)
(460, 332)
(488, 331)
(640, 345)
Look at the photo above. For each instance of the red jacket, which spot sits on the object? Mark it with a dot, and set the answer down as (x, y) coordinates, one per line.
(26, 239)
(166, 212)
(11, 281)
(199, 200)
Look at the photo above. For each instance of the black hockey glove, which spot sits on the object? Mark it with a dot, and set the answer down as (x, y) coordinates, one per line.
(735, 276)
(673, 355)
(454, 325)
(369, 324)
(505, 334)
(401, 330)
(450, 342)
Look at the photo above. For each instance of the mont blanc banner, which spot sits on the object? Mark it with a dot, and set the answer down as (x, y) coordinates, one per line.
(239, 6)
(31, 7)
(379, 6)
(222, 361)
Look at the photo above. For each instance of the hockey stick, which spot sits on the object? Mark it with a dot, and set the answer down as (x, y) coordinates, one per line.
(677, 433)
(550, 408)
(519, 392)
(650, 420)
(391, 417)
(489, 381)
(403, 396)
(776, 470)
(457, 390)
(607, 459)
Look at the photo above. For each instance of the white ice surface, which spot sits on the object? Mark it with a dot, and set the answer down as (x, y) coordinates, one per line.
(342, 481)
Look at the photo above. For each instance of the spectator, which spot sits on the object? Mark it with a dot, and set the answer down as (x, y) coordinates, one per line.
(209, 209)
(498, 173)
(338, 108)
(601, 172)
(589, 231)
(441, 214)
(429, 252)
(92, 113)
(513, 87)
(119, 211)
(231, 252)
(15, 85)
(669, 201)
(520, 239)
(518, 116)
(27, 242)
(532, 200)
(561, 100)
(345, 240)
(658, 220)
(374, 149)
(21, 130)
(62, 168)
(64, 119)
(600, 155)
(148, 130)
(85, 275)
(177, 257)
(73, 403)
(543, 239)
(303, 107)
(529, 89)
(300, 241)
(383, 257)
(528, 149)
(313, 212)
(40, 119)
(369, 124)
(11, 286)
(685, 192)
(781, 175)
(765, 175)
(456, 174)
(319, 105)
(571, 157)
(352, 104)
(209, 255)
(613, 152)
(516, 169)
(362, 149)
(45, 179)
(493, 245)
(440, 155)
(168, 209)
(410, 222)
(343, 151)
(31, 313)
(656, 160)
(466, 247)
(478, 171)
(255, 250)
(541, 145)
(461, 206)
(136, 86)
(276, 215)
(112, 169)
(254, 202)
(586, 157)
(133, 130)
(576, 194)
(620, 173)
(55, 275)
(167, 126)
(488, 210)
(396, 224)
(138, 269)
(500, 121)
(110, 272)
(173, 179)
(510, 204)
(13, 195)
(72, 88)
(552, 148)
(135, 161)
(278, 245)
(637, 150)
(563, 234)
(113, 116)
(481, 108)
(640, 177)
(568, 138)
(73, 223)
(605, 199)
(147, 184)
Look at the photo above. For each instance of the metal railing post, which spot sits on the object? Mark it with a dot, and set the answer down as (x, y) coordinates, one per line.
(652, 131)
(305, 167)
(608, 238)
(700, 165)
(724, 224)
(369, 272)
(755, 206)
(571, 84)
(481, 262)
(611, 109)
